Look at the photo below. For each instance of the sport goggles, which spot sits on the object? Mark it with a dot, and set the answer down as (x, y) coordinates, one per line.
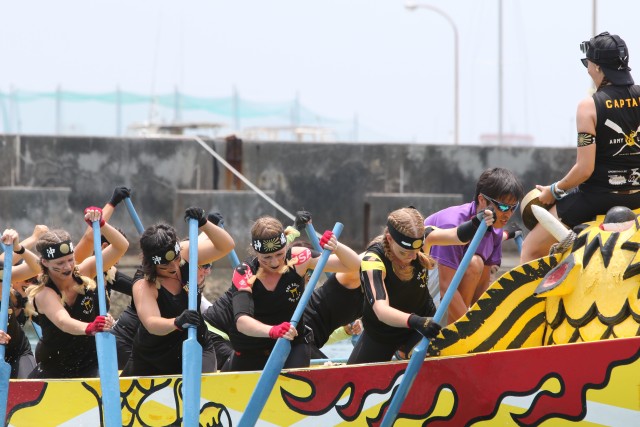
(503, 207)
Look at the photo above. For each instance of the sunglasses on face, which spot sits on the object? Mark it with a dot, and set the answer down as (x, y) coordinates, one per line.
(503, 207)
(205, 266)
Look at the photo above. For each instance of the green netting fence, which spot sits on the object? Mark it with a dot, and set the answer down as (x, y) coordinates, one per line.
(112, 113)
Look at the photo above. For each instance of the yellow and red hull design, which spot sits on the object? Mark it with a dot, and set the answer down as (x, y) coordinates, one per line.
(590, 384)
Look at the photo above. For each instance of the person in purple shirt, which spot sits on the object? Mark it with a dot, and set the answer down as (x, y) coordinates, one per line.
(496, 189)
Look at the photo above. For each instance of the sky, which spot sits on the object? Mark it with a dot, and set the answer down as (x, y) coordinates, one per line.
(384, 73)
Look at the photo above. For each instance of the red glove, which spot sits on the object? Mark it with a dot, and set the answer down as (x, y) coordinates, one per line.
(278, 331)
(241, 276)
(94, 209)
(96, 326)
(325, 238)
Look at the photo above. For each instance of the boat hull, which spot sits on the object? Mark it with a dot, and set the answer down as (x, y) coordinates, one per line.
(593, 383)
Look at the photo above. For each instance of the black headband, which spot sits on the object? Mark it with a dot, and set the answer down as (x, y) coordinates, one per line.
(270, 244)
(166, 255)
(57, 250)
(404, 240)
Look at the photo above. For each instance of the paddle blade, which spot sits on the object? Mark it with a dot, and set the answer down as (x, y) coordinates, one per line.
(5, 374)
(191, 379)
(109, 380)
(5, 368)
(265, 384)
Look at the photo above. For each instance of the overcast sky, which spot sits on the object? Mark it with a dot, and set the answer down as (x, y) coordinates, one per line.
(374, 59)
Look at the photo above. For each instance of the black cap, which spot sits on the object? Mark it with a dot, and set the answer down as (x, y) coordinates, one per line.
(611, 54)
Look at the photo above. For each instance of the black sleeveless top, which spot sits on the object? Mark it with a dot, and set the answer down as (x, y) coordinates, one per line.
(271, 307)
(63, 355)
(164, 352)
(411, 297)
(331, 306)
(617, 165)
(19, 344)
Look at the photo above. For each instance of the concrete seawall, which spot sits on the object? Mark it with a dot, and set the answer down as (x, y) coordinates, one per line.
(50, 180)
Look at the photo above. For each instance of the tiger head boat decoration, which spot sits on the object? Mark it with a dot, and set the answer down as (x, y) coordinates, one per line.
(588, 289)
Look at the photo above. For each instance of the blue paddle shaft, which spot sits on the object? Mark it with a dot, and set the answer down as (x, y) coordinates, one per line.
(281, 350)
(193, 264)
(233, 257)
(5, 368)
(191, 348)
(106, 345)
(419, 352)
(313, 237)
(6, 291)
(519, 243)
(97, 249)
(134, 215)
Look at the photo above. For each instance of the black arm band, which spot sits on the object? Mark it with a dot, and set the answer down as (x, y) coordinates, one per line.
(427, 230)
(242, 304)
(467, 230)
(20, 252)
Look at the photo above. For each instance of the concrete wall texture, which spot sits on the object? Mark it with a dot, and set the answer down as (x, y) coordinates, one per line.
(50, 180)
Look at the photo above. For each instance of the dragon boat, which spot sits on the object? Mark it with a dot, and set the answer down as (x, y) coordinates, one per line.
(553, 342)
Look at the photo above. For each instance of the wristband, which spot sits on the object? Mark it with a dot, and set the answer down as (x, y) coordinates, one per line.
(20, 251)
(467, 230)
(556, 192)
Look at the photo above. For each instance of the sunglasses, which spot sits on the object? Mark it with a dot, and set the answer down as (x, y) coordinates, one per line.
(503, 207)
(205, 266)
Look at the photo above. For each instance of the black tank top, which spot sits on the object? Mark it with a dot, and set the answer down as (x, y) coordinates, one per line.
(617, 166)
(220, 313)
(19, 344)
(271, 307)
(331, 306)
(63, 355)
(164, 352)
(411, 297)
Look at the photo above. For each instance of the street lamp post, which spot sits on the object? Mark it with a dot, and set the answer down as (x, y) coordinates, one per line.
(456, 112)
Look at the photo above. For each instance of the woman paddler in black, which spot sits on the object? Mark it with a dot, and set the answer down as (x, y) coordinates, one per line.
(161, 298)
(65, 301)
(18, 352)
(398, 306)
(266, 290)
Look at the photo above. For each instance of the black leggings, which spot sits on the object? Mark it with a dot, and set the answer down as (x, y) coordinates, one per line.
(22, 367)
(137, 367)
(579, 206)
(256, 360)
(368, 350)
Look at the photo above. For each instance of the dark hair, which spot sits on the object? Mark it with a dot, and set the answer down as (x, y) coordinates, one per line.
(499, 182)
(154, 238)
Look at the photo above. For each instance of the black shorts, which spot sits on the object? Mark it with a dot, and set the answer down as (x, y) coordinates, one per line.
(579, 206)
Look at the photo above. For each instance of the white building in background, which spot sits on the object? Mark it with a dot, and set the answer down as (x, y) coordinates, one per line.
(508, 139)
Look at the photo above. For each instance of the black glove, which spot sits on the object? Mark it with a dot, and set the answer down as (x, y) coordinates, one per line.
(513, 232)
(425, 325)
(302, 218)
(119, 194)
(187, 318)
(195, 213)
(216, 218)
